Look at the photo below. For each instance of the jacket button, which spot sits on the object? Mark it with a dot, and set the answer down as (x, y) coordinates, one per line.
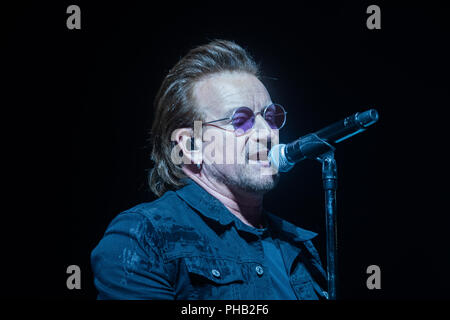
(259, 270)
(215, 273)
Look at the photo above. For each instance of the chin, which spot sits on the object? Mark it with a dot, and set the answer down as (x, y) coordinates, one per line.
(257, 183)
(248, 178)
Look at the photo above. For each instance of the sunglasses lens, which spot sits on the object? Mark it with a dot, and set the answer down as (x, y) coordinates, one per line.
(243, 119)
(275, 116)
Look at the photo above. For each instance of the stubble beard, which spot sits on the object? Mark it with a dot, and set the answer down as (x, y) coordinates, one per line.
(246, 177)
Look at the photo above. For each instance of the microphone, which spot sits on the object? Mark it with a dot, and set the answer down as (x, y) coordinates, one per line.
(311, 146)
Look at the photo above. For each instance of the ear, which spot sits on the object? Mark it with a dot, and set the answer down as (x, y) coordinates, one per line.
(191, 148)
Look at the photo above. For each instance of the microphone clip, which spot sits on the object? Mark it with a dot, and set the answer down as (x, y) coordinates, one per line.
(310, 146)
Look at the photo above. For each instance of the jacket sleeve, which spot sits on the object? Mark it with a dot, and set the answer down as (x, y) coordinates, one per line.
(127, 263)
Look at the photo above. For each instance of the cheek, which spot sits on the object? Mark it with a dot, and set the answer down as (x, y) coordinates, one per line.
(219, 146)
(241, 144)
(227, 144)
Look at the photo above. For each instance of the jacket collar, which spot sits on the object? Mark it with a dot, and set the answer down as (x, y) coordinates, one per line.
(288, 229)
(210, 207)
(207, 205)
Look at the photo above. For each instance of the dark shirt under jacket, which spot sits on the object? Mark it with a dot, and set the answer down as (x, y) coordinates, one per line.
(188, 245)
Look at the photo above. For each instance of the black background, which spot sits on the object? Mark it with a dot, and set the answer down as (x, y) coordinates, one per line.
(77, 109)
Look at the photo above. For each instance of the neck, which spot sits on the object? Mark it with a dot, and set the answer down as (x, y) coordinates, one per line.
(244, 205)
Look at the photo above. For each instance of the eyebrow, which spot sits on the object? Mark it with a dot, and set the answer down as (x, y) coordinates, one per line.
(229, 113)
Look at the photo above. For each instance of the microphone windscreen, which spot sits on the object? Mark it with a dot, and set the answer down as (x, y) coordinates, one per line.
(367, 118)
(278, 158)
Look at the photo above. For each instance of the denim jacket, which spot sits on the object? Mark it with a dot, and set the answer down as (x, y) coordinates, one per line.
(187, 245)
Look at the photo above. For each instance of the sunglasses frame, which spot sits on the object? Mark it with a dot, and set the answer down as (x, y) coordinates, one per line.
(263, 113)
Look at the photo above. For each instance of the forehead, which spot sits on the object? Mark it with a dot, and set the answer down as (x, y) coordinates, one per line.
(228, 90)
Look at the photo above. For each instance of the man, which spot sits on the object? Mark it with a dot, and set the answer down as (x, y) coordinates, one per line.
(208, 236)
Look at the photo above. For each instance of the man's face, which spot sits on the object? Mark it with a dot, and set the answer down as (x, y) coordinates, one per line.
(237, 160)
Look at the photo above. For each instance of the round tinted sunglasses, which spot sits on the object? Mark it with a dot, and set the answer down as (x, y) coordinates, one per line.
(243, 118)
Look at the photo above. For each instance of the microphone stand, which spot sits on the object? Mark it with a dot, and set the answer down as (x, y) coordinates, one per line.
(329, 177)
(313, 147)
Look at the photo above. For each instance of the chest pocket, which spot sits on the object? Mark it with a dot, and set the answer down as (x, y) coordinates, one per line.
(304, 284)
(305, 290)
(212, 278)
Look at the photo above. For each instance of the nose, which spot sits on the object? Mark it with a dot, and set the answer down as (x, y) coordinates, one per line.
(262, 132)
(261, 125)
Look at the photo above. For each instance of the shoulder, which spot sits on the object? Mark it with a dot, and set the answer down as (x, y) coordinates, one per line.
(140, 227)
(143, 221)
(168, 208)
(157, 220)
(167, 205)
